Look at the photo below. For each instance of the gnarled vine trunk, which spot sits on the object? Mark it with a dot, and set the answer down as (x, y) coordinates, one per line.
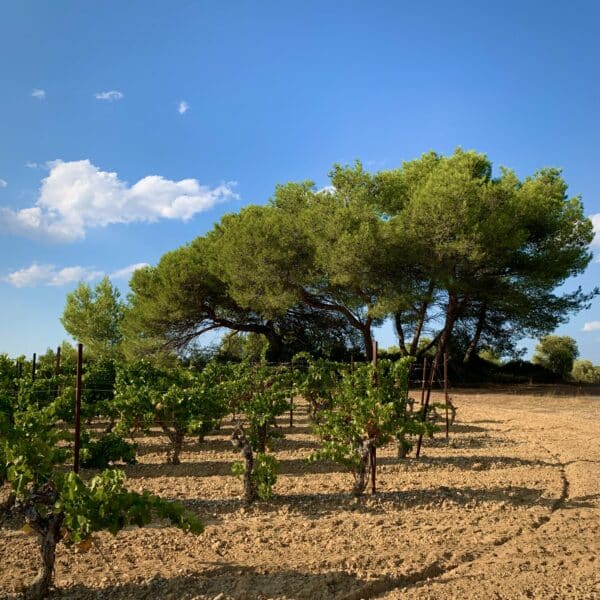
(361, 475)
(263, 432)
(239, 440)
(47, 525)
(48, 540)
(7, 504)
(176, 437)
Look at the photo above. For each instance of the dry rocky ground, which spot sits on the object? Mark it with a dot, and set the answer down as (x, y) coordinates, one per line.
(509, 507)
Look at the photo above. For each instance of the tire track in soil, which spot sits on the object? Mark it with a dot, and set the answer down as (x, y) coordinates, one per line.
(439, 569)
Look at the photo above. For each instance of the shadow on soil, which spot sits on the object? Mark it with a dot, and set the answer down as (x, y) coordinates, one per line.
(209, 468)
(249, 583)
(223, 445)
(314, 506)
(231, 581)
(300, 467)
(548, 390)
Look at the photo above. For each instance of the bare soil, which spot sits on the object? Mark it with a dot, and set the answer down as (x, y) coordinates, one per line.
(508, 507)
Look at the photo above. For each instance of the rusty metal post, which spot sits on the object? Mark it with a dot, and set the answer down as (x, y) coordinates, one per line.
(426, 404)
(373, 456)
(57, 371)
(373, 460)
(446, 394)
(292, 398)
(423, 380)
(78, 407)
(374, 362)
(57, 366)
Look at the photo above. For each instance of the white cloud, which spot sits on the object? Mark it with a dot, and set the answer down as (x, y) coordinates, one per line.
(31, 164)
(127, 272)
(183, 107)
(110, 95)
(596, 223)
(49, 275)
(77, 196)
(592, 326)
(39, 94)
(3, 183)
(328, 189)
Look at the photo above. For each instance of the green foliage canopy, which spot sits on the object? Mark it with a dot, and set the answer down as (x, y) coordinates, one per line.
(93, 317)
(440, 244)
(556, 353)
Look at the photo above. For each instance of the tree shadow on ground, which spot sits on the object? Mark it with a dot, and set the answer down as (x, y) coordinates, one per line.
(211, 468)
(233, 581)
(297, 429)
(317, 505)
(416, 498)
(296, 467)
(286, 444)
(255, 583)
(537, 389)
(476, 462)
(463, 428)
(205, 468)
(191, 444)
(466, 441)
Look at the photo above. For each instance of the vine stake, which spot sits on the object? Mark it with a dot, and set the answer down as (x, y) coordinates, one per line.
(78, 408)
(426, 405)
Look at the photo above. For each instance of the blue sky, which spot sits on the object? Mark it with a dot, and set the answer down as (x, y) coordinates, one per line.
(129, 128)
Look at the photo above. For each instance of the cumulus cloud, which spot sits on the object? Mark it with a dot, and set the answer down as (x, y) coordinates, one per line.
(49, 275)
(110, 95)
(328, 189)
(596, 223)
(3, 183)
(39, 94)
(183, 107)
(592, 326)
(77, 196)
(127, 272)
(596, 241)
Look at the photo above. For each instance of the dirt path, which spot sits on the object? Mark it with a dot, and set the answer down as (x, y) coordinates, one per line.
(509, 508)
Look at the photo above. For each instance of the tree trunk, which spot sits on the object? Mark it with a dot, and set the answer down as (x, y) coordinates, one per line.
(275, 349)
(110, 426)
(403, 447)
(421, 320)
(48, 539)
(176, 437)
(238, 439)
(414, 345)
(360, 483)
(262, 437)
(368, 340)
(475, 341)
(425, 349)
(400, 334)
(6, 506)
(38, 510)
(176, 445)
(452, 311)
